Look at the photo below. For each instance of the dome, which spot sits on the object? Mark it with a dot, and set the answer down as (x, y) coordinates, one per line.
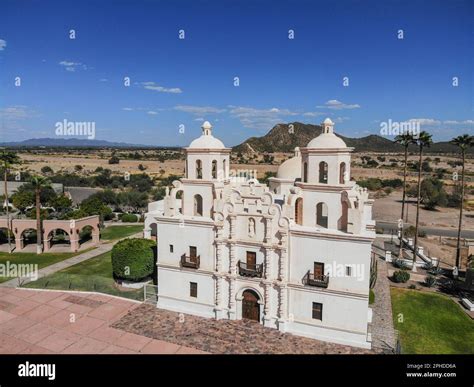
(207, 140)
(291, 168)
(328, 121)
(327, 140)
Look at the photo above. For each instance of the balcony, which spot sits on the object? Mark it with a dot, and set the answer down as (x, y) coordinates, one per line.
(320, 281)
(190, 262)
(248, 270)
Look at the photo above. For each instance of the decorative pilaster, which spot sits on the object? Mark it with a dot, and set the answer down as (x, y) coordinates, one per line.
(283, 257)
(282, 308)
(232, 258)
(219, 243)
(232, 309)
(266, 306)
(268, 263)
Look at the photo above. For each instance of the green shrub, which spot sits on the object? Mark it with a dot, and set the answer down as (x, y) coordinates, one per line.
(129, 218)
(371, 297)
(401, 276)
(133, 259)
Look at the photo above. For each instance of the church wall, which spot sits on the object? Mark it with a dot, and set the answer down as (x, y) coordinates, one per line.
(335, 254)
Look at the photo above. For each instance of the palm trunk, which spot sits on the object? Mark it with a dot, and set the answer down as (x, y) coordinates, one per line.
(8, 212)
(400, 251)
(39, 249)
(458, 245)
(415, 247)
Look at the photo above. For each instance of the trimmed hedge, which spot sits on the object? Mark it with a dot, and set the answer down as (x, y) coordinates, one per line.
(401, 276)
(129, 218)
(133, 259)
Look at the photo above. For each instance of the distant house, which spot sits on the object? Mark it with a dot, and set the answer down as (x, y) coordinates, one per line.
(14, 185)
(78, 194)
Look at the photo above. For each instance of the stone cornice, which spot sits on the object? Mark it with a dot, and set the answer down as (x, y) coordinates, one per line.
(186, 220)
(323, 187)
(322, 235)
(207, 150)
(327, 151)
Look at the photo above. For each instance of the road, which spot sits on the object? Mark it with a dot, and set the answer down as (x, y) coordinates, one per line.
(446, 232)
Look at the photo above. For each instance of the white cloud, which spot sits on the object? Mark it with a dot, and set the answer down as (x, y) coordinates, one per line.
(72, 66)
(3, 44)
(153, 86)
(465, 122)
(151, 112)
(17, 112)
(103, 80)
(425, 121)
(127, 109)
(313, 114)
(260, 118)
(338, 105)
(200, 110)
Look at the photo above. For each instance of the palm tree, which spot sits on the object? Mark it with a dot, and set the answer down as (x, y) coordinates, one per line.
(39, 183)
(423, 140)
(8, 158)
(463, 142)
(404, 139)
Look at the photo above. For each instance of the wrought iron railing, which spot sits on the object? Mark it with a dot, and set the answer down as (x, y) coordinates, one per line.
(250, 270)
(191, 262)
(321, 281)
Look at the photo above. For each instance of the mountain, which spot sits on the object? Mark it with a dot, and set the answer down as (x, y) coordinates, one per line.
(281, 139)
(70, 142)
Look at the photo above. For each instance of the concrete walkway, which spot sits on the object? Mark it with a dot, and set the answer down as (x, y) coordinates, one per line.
(103, 248)
(56, 322)
(383, 334)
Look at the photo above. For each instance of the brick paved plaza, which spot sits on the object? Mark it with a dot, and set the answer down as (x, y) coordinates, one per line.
(48, 322)
(37, 322)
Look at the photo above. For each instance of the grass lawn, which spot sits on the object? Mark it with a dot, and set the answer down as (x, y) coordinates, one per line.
(95, 274)
(432, 323)
(42, 260)
(116, 232)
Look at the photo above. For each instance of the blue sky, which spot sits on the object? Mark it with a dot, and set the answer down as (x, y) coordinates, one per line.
(183, 81)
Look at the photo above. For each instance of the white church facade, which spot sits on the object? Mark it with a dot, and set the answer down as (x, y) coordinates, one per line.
(294, 255)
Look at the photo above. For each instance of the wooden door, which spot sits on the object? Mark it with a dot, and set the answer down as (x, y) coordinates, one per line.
(318, 270)
(192, 253)
(251, 260)
(250, 306)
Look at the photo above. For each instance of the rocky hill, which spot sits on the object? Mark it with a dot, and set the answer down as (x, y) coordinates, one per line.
(285, 137)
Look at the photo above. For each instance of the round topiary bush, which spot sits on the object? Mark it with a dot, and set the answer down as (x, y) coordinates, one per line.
(401, 276)
(133, 259)
(129, 218)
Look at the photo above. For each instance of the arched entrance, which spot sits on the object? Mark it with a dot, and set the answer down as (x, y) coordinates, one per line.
(250, 306)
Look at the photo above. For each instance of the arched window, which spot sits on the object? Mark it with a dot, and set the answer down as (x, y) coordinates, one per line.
(322, 215)
(214, 169)
(180, 197)
(299, 211)
(323, 172)
(197, 205)
(198, 169)
(224, 166)
(342, 173)
(344, 216)
(305, 172)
